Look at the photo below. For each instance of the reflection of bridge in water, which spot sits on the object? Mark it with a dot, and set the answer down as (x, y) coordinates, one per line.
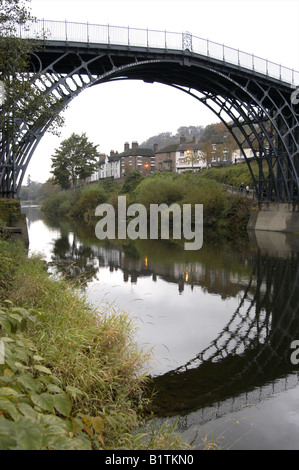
(250, 359)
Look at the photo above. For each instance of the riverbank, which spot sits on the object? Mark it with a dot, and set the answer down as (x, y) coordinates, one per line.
(72, 377)
(223, 211)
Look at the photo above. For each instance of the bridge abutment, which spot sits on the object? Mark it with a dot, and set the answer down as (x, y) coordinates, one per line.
(13, 224)
(275, 217)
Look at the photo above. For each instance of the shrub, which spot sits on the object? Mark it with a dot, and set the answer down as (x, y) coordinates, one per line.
(160, 188)
(236, 213)
(132, 180)
(211, 196)
(59, 204)
(85, 206)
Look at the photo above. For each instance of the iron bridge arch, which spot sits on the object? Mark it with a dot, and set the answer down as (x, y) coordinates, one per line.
(254, 98)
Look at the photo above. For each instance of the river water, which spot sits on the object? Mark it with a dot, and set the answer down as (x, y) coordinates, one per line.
(219, 322)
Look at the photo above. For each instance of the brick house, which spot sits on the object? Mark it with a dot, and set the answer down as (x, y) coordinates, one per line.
(165, 158)
(137, 158)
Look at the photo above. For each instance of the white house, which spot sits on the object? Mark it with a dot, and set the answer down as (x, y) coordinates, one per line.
(113, 165)
(189, 156)
(109, 166)
(103, 167)
(238, 156)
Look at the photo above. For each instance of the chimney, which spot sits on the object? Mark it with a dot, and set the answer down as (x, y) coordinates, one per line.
(134, 145)
(182, 139)
(127, 146)
(156, 148)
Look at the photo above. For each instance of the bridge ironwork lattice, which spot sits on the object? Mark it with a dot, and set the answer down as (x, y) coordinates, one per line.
(250, 95)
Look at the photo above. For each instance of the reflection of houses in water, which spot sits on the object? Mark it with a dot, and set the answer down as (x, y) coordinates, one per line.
(215, 280)
(212, 280)
(223, 281)
(109, 257)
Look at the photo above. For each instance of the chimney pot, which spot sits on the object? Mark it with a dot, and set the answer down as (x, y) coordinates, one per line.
(182, 139)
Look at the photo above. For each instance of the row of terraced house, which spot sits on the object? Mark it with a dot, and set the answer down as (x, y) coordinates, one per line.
(179, 157)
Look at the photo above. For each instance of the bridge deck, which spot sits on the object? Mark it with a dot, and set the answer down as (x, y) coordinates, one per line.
(93, 34)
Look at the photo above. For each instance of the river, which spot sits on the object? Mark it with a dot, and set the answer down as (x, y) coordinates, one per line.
(219, 323)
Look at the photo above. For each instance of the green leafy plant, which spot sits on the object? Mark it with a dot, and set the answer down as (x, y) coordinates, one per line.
(35, 411)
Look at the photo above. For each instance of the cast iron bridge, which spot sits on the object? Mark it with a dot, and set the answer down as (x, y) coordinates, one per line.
(256, 99)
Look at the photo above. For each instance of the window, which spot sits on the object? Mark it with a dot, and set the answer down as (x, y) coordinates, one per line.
(168, 165)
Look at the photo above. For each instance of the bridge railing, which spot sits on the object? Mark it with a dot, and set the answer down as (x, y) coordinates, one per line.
(125, 36)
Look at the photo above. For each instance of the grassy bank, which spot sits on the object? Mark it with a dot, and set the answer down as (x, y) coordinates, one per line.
(233, 175)
(72, 377)
(223, 211)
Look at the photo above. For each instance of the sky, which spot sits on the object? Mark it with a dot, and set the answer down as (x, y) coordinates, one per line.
(114, 113)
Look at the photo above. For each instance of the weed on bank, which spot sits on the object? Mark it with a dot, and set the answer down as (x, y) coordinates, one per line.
(70, 377)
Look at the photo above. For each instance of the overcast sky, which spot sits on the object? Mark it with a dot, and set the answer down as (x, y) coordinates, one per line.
(114, 113)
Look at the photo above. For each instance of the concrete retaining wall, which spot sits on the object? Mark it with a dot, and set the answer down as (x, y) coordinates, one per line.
(275, 217)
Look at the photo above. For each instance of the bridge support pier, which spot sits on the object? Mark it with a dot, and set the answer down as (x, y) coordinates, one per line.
(13, 224)
(275, 217)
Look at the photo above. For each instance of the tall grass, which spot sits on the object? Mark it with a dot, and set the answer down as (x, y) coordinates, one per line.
(94, 352)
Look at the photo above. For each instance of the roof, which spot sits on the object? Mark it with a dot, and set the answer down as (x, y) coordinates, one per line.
(190, 146)
(138, 152)
(114, 158)
(168, 149)
(181, 147)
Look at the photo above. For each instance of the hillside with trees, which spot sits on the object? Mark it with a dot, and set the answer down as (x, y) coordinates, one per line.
(167, 138)
(206, 134)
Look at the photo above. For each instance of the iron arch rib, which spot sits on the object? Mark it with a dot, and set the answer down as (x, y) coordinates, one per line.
(244, 105)
(256, 109)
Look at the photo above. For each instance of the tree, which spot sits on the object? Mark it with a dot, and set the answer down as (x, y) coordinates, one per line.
(191, 157)
(207, 152)
(74, 160)
(24, 104)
